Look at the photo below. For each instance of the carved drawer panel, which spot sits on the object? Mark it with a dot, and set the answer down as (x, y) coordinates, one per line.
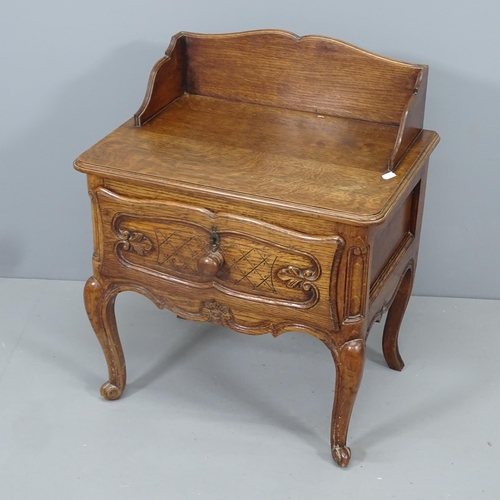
(234, 254)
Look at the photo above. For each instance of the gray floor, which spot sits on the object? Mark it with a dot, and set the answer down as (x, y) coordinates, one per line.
(209, 413)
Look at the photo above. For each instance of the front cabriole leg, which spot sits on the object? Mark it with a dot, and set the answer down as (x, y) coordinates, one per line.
(349, 362)
(100, 306)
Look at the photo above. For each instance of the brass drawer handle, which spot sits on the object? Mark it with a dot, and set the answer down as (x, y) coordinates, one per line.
(210, 264)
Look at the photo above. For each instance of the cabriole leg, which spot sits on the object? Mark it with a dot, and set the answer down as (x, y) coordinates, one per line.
(349, 362)
(100, 306)
(393, 323)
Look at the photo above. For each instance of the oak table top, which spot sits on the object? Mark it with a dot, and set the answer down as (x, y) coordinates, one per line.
(287, 157)
(268, 183)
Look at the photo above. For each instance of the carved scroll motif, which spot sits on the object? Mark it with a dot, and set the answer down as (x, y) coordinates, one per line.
(217, 313)
(294, 277)
(134, 241)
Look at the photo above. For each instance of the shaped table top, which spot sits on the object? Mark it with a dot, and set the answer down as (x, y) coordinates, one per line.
(299, 159)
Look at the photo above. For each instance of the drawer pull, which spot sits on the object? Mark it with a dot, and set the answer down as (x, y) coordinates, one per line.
(209, 265)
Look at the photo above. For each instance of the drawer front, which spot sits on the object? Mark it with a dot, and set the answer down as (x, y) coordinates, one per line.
(258, 261)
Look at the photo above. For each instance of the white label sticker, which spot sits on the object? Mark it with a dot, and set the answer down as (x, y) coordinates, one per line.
(388, 175)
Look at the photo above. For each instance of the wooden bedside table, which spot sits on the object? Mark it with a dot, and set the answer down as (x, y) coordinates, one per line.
(254, 188)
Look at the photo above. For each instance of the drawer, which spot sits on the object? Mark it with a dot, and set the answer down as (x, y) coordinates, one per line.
(254, 260)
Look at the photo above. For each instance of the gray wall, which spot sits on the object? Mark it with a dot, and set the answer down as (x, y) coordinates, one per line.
(73, 71)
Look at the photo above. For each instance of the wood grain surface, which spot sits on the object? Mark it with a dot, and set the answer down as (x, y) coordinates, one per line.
(281, 156)
(248, 191)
